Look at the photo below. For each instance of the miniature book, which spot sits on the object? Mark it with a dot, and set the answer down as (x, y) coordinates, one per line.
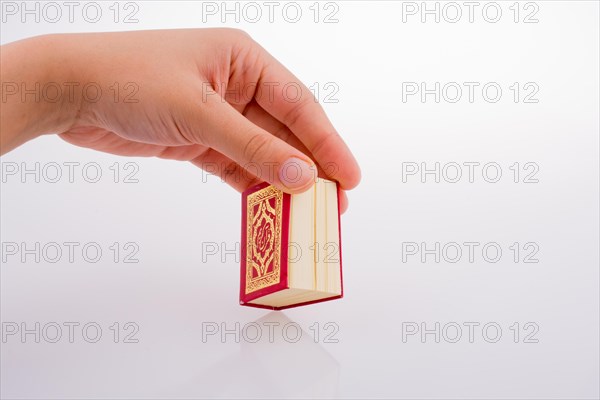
(290, 247)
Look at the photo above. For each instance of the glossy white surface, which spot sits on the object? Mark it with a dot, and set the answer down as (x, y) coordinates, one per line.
(179, 290)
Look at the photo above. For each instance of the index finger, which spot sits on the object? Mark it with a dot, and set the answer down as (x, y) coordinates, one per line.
(305, 117)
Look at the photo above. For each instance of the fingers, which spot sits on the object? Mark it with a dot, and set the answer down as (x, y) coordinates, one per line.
(252, 147)
(208, 159)
(343, 201)
(282, 95)
(237, 177)
(258, 116)
(109, 142)
(228, 170)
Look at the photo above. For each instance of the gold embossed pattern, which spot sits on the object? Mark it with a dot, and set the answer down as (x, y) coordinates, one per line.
(263, 238)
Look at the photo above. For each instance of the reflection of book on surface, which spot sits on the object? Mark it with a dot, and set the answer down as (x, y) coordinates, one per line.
(290, 246)
(310, 371)
(255, 370)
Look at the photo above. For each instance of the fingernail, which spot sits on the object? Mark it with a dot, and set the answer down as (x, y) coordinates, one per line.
(296, 173)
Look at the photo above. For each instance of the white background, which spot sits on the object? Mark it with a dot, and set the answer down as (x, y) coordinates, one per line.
(177, 290)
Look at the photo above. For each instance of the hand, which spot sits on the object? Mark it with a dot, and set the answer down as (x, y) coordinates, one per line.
(210, 96)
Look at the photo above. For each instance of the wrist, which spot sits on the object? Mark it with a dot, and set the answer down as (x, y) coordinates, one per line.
(36, 97)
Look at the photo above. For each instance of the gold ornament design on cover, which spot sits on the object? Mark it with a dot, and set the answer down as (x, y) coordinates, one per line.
(263, 235)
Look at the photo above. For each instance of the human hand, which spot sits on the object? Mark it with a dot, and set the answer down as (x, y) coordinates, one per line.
(210, 96)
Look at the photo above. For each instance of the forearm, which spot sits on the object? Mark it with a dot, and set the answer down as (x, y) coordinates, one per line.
(33, 101)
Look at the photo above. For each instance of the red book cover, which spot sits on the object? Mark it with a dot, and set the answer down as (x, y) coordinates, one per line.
(265, 244)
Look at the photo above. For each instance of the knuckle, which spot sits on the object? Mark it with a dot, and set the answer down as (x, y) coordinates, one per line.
(230, 170)
(294, 115)
(238, 34)
(325, 140)
(257, 145)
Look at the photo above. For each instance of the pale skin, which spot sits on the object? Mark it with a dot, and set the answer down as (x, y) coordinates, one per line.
(213, 97)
